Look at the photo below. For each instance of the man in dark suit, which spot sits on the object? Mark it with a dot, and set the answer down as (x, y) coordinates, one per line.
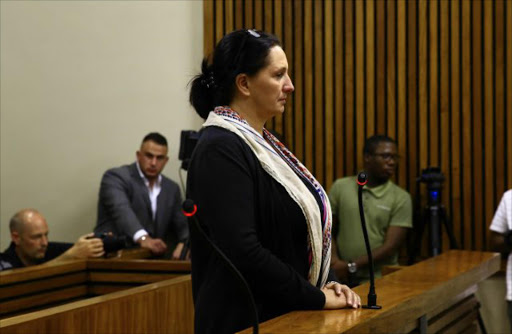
(138, 201)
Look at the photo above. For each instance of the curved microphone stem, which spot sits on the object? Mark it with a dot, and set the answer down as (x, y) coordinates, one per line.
(190, 209)
(372, 296)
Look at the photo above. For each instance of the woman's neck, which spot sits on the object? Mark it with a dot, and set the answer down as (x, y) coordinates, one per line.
(250, 116)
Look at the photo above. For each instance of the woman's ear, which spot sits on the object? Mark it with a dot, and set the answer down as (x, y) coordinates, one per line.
(242, 84)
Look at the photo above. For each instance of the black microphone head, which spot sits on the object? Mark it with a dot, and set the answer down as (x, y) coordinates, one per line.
(189, 207)
(362, 178)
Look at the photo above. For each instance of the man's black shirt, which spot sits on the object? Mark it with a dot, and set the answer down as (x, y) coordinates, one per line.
(10, 260)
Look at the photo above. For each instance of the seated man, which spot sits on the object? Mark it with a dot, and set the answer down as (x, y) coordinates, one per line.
(139, 202)
(30, 246)
(388, 213)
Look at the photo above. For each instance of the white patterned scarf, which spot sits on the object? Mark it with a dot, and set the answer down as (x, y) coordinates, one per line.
(285, 168)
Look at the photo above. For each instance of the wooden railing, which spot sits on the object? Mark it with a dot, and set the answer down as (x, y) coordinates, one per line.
(98, 296)
(434, 296)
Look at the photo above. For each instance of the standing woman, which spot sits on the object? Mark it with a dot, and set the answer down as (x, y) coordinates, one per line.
(255, 200)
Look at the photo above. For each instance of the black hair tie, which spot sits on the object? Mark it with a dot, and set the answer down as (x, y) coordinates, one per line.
(209, 81)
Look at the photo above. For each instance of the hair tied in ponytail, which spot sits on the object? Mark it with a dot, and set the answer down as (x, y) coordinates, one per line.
(208, 81)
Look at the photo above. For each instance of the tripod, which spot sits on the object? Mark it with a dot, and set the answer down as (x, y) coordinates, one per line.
(434, 215)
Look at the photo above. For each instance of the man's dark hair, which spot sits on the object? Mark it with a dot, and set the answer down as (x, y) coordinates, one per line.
(155, 137)
(371, 143)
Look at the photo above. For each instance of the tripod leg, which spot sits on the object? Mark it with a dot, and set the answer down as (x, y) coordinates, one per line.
(415, 247)
(481, 324)
(449, 228)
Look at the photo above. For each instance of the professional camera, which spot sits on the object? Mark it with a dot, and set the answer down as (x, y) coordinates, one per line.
(188, 142)
(433, 177)
(112, 243)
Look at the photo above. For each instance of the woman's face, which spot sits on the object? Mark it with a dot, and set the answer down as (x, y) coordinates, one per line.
(270, 87)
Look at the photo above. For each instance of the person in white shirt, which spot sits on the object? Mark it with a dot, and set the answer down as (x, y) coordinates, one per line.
(501, 240)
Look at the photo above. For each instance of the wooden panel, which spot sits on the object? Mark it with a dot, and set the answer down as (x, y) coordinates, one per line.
(369, 76)
(467, 308)
(465, 124)
(299, 81)
(391, 69)
(436, 312)
(412, 160)
(42, 285)
(349, 85)
(42, 299)
(498, 128)
(488, 95)
(163, 307)
(208, 21)
(140, 265)
(318, 90)
(435, 75)
(119, 277)
(444, 97)
(288, 43)
(103, 289)
(380, 66)
(327, 94)
(41, 271)
(477, 177)
(359, 64)
(455, 206)
(423, 84)
(339, 90)
(404, 295)
(131, 254)
(308, 84)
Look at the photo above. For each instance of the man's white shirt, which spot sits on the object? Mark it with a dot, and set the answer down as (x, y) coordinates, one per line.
(502, 223)
(153, 196)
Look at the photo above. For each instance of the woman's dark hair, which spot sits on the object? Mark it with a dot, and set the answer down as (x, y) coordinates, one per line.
(241, 51)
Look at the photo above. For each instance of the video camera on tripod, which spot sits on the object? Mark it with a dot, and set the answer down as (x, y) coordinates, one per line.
(434, 214)
(434, 179)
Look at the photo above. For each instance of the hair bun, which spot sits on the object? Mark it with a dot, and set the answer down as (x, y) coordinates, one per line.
(207, 80)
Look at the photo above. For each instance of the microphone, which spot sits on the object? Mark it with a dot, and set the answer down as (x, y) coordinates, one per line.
(362, 179)
(184, 251)
(189, 210)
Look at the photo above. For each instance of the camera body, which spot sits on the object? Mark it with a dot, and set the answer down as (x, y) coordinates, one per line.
(188, 142)
(434, 179)
(112, 243)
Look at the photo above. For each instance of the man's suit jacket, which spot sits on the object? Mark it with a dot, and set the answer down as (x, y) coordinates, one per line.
(124, 206)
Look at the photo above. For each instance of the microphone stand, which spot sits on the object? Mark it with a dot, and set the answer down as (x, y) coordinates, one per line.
(362, 179)
(189, 210)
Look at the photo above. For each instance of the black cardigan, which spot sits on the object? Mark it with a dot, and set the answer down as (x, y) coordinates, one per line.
(254, 221)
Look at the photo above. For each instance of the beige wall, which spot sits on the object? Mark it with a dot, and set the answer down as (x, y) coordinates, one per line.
(81, 83)
(491, 294)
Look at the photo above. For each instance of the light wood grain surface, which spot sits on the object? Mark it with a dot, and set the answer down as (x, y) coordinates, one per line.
(425, 288)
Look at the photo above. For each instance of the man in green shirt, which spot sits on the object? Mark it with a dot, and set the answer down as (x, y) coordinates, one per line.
(388, 213)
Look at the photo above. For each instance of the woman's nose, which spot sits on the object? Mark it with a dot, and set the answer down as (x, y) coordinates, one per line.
(288, 86)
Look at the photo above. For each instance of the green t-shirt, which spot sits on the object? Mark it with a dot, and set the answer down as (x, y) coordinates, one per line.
(384, 206)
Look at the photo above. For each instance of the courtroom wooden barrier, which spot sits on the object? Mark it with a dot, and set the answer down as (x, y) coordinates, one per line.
(434, 296)
(30, 289)
(106, 276)
(26, 289)
(162, 307)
